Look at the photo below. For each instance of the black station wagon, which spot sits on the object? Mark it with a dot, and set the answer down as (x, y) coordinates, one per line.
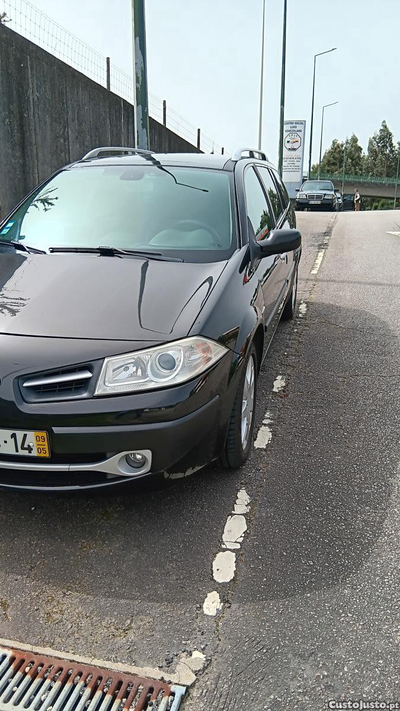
(138, 296)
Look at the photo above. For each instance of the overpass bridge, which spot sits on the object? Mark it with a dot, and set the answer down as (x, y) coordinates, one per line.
(368, 186)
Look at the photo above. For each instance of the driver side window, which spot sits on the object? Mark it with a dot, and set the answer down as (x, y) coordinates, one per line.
(259, 213)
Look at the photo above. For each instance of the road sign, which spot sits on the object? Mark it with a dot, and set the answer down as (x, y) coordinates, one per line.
(293, 155)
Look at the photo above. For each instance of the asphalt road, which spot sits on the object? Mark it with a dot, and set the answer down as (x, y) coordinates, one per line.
(311, 613)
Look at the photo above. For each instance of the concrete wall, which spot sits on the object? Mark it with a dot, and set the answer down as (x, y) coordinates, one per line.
(51, 114)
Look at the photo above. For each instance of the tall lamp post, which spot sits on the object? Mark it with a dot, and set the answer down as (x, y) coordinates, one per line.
(312, 106)
(397, 179)
(261, 79)
(283, 80)
(140, 73)
(322, 133)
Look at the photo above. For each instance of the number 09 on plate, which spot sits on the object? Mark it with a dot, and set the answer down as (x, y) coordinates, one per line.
(23, 443)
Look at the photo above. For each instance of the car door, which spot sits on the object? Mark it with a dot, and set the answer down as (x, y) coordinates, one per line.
(280, 206)
(261, 220)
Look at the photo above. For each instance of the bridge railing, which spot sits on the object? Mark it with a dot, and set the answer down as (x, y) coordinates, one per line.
(361, 179)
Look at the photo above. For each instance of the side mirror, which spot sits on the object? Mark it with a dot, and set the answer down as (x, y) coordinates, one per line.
(279, 241)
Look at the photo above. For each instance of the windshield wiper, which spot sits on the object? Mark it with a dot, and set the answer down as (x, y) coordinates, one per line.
(117, 252)
(22, 247)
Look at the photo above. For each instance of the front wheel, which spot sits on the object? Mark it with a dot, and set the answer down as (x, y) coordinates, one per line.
(241, 424)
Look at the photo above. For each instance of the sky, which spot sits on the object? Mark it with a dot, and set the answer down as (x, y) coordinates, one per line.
(204, 59)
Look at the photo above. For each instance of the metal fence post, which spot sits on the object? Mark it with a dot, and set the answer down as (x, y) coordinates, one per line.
(164, 112)
(198, 138)
(108, 73)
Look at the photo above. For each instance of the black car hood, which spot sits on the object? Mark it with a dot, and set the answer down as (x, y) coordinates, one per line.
(96, 297)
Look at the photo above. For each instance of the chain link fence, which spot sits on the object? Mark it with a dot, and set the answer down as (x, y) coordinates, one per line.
(30, 22)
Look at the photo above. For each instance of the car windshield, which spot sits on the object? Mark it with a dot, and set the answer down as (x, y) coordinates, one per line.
(311, 185)
(179, 212)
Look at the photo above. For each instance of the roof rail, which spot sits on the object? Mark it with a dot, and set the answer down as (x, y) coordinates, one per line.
(252, 153)
(117, 150)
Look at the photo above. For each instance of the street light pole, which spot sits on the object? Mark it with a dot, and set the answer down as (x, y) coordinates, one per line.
(344, 164)
(283, 80)
(322, 133)
(397, 179)
(312, 106)
(140, 74)
(261, 79)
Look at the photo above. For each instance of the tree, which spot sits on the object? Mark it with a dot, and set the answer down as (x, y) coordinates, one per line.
(354, 156)
(332, 160)
(381, 157)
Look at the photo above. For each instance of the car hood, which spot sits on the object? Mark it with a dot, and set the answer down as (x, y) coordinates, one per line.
(96, 297)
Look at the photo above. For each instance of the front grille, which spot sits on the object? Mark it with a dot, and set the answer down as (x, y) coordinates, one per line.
(41, 683)
(314, 197)
(65, 384)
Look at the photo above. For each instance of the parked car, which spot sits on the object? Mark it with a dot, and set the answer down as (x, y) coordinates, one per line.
(317, 195)
(138, 296)
(348, 202)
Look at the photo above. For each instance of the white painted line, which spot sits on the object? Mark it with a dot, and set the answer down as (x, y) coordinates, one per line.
(234, 531)
(279, 384)
(242, 502)
(224, 566)
(397, 234)
(212, 604)
(303, 309)
(318, 261)
(264, 435)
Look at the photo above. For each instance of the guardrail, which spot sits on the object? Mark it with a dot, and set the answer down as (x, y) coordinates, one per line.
(369, 179)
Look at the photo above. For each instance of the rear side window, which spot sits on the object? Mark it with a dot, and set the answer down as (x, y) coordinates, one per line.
(282, 190)
(258, 210)
(272, 191)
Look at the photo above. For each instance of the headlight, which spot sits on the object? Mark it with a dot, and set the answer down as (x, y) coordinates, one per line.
(170, 364)
(302, 195)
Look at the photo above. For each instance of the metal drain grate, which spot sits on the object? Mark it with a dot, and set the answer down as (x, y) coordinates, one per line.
(40, 683)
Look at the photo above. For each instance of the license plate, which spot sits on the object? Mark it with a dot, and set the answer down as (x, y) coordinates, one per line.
(24, 444)
(315, 202)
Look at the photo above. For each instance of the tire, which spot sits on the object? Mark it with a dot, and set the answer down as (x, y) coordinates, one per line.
(290, 306)
(240, 436)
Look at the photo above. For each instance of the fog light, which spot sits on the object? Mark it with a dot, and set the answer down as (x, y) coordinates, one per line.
(136, 460)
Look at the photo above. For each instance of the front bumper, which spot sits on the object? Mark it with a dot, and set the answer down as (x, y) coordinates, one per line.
(304, 203)
(179, 428)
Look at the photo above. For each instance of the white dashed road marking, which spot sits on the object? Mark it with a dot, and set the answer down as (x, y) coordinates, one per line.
(279, 384)
(318, 261)
(212, 604)
(264, 435)
(397, 234)
(224, 566)
(303, 309)
(234, 531)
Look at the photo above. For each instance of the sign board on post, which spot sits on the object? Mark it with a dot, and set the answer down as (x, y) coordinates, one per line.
(293, 155)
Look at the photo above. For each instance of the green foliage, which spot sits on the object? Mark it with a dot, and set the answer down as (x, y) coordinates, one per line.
(348, 156)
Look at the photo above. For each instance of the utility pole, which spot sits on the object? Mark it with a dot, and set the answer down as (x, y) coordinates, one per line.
(344, 165)
(283, 80)
(261, 80)
(397, 179)
(312, 107)
(140, 74)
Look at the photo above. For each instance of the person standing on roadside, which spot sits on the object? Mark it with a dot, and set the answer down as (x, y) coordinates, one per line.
(357, 200)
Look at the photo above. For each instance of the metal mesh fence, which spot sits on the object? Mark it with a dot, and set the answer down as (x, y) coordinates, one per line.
(30, 22)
